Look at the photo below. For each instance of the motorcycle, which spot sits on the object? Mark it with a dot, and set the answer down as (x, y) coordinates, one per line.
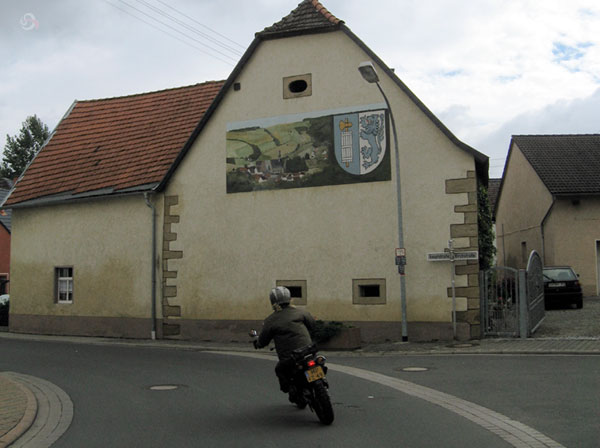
(308, 384)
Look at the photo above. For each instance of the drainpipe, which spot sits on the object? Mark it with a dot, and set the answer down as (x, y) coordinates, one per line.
(149, 204)
(542, 230)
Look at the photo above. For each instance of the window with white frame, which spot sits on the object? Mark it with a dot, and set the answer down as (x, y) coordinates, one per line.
(63, 280)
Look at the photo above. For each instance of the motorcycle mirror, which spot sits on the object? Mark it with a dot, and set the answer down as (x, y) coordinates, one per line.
(253, 333)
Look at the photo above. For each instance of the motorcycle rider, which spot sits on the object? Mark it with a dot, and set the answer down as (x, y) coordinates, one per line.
(290, 328)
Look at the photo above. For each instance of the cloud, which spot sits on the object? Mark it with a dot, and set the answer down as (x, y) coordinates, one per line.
(474, 67)
(578, 116)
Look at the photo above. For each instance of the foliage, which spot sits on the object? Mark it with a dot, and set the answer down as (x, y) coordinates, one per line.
(320, 131)
(324, 331)
(296, 165)
(487, 250)
(20, 149)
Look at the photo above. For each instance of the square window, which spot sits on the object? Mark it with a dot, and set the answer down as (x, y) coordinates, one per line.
(297, 290)
(63, 281)
(370, 291)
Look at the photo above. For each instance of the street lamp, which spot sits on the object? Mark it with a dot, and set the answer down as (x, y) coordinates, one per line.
(367, 70)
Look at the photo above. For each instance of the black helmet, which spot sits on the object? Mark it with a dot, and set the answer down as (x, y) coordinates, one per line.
(280, 295)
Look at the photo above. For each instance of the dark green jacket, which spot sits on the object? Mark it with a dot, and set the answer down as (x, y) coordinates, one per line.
(290, 328)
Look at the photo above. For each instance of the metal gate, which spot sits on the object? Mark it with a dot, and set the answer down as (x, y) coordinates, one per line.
(499, 301)
(512, 301)
(535, 293)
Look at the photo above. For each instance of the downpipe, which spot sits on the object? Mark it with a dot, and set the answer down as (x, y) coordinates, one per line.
(151, 206)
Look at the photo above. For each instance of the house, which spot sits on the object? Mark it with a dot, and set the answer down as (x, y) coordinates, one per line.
(549, 201)
(5, 215)
(493, 188)
(151, 228)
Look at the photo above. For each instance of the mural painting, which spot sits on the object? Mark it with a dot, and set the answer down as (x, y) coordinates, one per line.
(308, 151)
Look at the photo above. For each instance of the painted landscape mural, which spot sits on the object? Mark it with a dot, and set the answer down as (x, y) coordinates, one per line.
(311, 151)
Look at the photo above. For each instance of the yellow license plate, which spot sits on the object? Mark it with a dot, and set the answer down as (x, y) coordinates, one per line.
(314, 374)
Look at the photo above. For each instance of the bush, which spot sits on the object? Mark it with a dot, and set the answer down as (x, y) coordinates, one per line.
(324, 331)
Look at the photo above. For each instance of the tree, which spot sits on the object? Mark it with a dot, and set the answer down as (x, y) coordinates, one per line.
(487, 250)
(20, 149)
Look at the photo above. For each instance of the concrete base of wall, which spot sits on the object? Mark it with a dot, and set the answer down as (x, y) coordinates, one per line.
(112, 327)
(216, 330)
(374, 332)
(371, 332)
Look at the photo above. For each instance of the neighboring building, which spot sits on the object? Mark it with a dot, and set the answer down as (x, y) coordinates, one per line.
(5, 186)
(549, 201)
(493, 189)
(281, 175)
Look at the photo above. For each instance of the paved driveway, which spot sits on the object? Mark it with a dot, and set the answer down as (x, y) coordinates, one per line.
(571, 322)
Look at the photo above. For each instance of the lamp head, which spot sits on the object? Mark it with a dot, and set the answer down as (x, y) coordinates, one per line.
(367, 70)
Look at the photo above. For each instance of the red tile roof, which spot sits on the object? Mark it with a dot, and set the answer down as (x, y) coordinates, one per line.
(116, 144)
(309, 16)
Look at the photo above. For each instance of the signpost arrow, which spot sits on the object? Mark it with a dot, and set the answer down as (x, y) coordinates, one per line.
(453, 256)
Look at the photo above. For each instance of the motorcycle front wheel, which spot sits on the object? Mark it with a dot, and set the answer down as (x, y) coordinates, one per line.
(322, 403)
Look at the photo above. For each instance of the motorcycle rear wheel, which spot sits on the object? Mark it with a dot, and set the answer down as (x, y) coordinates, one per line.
(322, 403)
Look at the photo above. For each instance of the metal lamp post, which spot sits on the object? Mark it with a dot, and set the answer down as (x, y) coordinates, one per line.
(367, 70)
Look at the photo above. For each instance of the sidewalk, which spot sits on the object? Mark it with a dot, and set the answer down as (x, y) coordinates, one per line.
(18, 406)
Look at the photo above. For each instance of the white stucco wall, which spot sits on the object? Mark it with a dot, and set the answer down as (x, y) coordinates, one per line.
(237, 245)
(520, 210)
(571, 236)
(108, 244)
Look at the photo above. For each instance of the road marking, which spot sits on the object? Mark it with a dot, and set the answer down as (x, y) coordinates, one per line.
(512, 431)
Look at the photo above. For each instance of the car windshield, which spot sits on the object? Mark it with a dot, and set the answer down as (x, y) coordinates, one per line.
(559, 274)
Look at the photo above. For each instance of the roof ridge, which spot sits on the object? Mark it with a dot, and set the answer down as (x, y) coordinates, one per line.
(309, 16)
(328, 15)
(169, 89)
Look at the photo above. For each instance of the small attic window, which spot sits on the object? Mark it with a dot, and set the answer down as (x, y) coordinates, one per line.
(297, 86)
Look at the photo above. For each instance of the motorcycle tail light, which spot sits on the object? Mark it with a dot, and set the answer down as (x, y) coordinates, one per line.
(311, 363)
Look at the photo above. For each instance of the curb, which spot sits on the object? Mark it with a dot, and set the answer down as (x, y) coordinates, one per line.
(531, 346)
(28, 416)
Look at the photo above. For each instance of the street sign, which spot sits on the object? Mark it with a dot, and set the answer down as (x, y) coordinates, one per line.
(448, 256)
(467, 255)
(452, 256)
(438, 256)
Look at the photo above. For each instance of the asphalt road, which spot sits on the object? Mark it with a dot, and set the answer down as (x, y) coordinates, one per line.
(232, 401)
(557, 395)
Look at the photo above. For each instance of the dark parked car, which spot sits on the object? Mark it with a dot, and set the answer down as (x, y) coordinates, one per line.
(561, 286)
(4, 304)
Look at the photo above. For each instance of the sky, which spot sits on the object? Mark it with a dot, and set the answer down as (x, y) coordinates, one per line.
(488, 69)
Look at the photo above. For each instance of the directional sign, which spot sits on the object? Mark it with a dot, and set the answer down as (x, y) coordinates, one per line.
(438, 256)
(448, 256)
(452, 256)
(466, 255)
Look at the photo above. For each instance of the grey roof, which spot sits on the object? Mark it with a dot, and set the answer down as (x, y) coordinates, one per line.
(493, 189)
(566, 164)
(309, 16)
(5, 215)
